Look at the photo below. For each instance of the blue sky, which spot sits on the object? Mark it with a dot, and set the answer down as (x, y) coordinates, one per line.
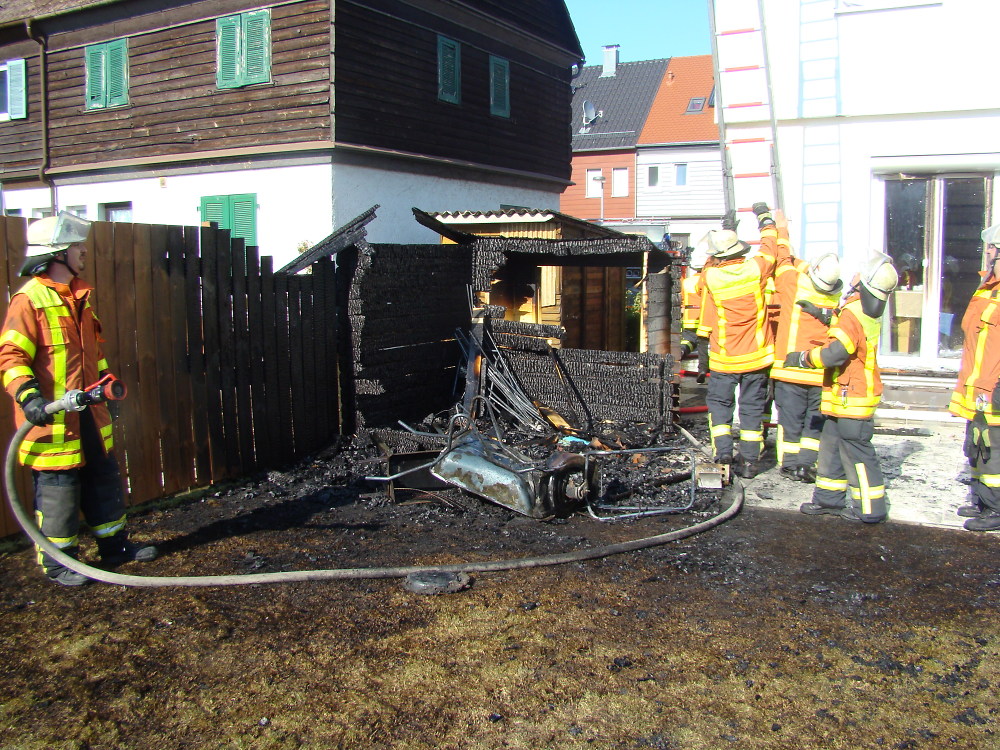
(645, 29)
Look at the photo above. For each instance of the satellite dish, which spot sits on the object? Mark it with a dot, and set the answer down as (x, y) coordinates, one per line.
(589, 112)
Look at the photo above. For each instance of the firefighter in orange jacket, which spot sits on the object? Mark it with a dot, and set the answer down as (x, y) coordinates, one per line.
(691, 308)
(805, 295)
(977, 392)
(734, 319)
(852, 389)
(50, 345)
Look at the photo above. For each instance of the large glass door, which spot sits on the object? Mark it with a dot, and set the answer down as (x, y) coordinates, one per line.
(932, 234)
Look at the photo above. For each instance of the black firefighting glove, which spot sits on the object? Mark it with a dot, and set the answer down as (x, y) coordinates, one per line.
(798, 359)
(995, 400)
(763, 214)
(729, 221)
(702, 360)
(29, 398)
(823, 316)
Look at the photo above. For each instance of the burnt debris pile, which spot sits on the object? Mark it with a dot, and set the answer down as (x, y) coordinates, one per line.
(546, 431)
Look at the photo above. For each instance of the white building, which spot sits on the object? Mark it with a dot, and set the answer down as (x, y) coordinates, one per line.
(883, 116)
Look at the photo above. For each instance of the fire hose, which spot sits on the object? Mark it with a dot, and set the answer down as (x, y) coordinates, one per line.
(113, 389)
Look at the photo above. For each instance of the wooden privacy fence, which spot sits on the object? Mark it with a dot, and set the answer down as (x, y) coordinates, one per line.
(230, 367)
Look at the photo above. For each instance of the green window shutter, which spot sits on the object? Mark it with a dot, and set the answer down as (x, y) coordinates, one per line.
(215, 208)
(116, 69)
(244, 209)
(227, 48)
(96, 92)
(499, 87)
(257, 39)
(449, 71)
(17, 90)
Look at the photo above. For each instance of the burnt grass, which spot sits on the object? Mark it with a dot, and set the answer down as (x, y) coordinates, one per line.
(771, 630)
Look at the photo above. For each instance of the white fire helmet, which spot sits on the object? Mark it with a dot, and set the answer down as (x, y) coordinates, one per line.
(56, 233)
(879, 276)
(699, 254)
(991, 236)
(824, 272)
(50, 236)
(724, 243)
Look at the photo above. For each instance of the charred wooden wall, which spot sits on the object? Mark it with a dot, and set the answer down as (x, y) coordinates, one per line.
(174, 105)
(404, 304)
(386, 83)
(589, 386)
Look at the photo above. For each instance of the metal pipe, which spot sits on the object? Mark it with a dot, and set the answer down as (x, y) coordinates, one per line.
(43, 64)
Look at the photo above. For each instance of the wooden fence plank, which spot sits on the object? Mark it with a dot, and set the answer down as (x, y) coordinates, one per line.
(300, 418)
(138, 360)
(241, 352)
(269, 339)
(149, 382)
(321, 375)
(210, 237)
(12, 247)
(195, 346)
(227, 358)
(169, 442)
(177, 326)
(255, 328)
(282, 310)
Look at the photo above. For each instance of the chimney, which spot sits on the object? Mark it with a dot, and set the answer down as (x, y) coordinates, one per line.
(610, 60)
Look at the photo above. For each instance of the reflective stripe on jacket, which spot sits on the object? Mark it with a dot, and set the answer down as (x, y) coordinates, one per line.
(53, 335)
(690, 301)
(854, 388)
(797, 329)
(734, 313)
(980, 370)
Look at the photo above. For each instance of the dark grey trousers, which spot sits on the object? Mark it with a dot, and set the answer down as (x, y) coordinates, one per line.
(721, 400)
(847, 460)
(982, 448)
(800, 422)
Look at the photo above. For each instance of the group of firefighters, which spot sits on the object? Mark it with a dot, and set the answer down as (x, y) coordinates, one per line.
(760, 322)
(769, 325)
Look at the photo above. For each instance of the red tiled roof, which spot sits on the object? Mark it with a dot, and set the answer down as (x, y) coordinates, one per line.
(668, 120)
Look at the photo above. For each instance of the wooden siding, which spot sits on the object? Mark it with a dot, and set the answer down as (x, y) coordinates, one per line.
(386, 83)
(21, 140)
(175, 106)
(574, 201)
(703, 194)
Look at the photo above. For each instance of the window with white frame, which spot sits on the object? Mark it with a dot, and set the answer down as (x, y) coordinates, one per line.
(680, 175)
(653, 177)
(595, 183)
(932, 233)
(13, 90)
(619, 182)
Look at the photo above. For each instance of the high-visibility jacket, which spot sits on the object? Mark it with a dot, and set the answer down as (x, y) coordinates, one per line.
(690, 302)
(797, 329)
(734, 314)
(853, 389)
(980, 370)
(53, 335)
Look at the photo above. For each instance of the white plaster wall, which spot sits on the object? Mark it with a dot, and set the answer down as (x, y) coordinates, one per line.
(293, 202)
(358, 188)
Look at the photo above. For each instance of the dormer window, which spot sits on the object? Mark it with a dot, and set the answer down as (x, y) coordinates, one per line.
(696, 104)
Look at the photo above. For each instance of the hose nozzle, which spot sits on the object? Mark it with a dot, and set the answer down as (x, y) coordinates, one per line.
(108, 388)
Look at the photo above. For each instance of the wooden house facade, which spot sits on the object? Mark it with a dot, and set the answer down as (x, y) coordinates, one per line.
(280, 120)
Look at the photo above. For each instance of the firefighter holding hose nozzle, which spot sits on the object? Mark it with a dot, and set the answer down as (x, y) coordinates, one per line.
(50, 346)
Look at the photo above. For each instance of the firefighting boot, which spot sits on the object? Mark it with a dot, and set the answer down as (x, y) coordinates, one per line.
(60, 574)
(972, 510)
(989, 520)
(117, 549)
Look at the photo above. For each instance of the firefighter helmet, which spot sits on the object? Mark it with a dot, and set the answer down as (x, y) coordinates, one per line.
(824, 272)
(50, 236)
(699, 254)
(724, 243)
(991, 235)
(879, 276)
